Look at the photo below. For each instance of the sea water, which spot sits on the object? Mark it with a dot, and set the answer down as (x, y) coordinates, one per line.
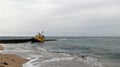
(69, 52)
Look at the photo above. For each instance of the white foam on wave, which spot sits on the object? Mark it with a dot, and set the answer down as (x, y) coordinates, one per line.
(17, 51)
(62, 39)
(57, 59)
(31, 63)
(64, 54)
(41, 49)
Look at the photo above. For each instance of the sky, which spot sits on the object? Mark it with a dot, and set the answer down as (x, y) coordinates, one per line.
(60, 17)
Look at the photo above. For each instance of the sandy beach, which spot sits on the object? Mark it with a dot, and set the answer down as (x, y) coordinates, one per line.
(11, 60)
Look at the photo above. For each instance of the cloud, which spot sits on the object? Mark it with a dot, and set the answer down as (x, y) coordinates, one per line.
(69, 17)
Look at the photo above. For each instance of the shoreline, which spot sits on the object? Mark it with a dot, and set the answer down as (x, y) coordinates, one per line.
(1, 47)
(42, 58)
(11, 60)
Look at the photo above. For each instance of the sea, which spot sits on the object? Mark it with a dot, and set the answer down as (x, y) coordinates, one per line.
(68, 52)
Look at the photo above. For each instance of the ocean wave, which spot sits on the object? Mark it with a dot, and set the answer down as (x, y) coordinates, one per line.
(41, 57)
(60, 58)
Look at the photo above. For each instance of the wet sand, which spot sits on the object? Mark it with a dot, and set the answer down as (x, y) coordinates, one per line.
(11, 60)
(1, 48)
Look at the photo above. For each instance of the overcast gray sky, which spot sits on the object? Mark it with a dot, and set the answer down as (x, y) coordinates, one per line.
(60, 17)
